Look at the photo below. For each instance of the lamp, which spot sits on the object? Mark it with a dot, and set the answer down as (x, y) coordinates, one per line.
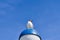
(29, 33)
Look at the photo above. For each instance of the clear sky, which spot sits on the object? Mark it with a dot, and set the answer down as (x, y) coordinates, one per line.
(14, 15)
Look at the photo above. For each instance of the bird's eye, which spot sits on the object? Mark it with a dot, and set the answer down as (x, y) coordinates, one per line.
(30, 20)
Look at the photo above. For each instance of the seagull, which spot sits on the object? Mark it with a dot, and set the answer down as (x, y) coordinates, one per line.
(29, 24)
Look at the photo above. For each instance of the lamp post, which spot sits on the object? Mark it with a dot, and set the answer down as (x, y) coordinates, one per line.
(29, 33)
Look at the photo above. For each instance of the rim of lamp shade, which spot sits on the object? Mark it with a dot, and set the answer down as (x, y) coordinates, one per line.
(30, 34)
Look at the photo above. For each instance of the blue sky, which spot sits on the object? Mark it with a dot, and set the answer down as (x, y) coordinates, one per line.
(14, 15)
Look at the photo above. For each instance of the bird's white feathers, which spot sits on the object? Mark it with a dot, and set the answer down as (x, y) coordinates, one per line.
(29, 25)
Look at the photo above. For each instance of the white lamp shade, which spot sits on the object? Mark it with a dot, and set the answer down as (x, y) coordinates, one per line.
(30, 37)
